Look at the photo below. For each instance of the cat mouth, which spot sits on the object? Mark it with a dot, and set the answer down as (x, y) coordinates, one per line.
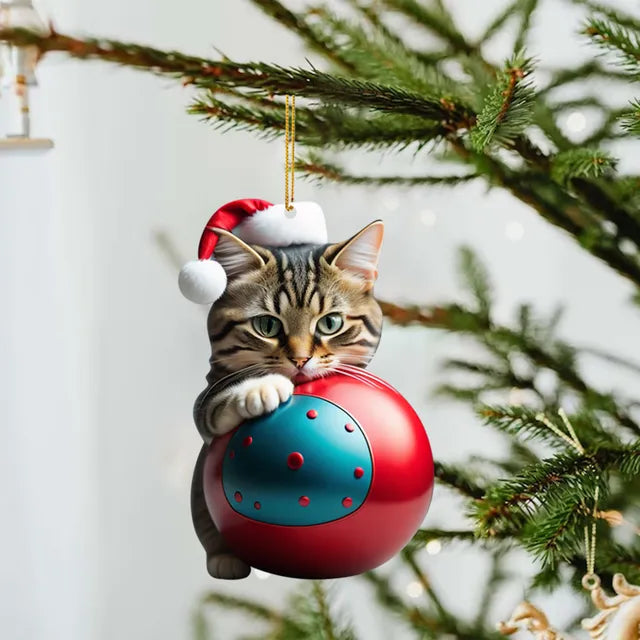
(302, 376)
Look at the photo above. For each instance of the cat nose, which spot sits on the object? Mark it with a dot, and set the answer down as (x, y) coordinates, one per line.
(300, 362)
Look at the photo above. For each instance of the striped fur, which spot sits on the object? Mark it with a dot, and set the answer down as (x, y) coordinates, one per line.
(298, 285)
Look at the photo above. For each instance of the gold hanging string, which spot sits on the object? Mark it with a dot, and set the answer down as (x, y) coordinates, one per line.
(590, 580)
(571, 439)
(289, 151)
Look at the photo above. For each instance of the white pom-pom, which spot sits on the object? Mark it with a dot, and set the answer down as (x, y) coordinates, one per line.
(202, 281)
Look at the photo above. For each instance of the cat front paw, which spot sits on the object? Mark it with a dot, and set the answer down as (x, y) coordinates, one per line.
(258, 396)
(226, 566)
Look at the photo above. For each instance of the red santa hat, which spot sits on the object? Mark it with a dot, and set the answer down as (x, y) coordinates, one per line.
(256, 222)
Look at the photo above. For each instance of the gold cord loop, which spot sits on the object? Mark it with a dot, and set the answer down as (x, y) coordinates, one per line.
(591, 580)
(289, 151)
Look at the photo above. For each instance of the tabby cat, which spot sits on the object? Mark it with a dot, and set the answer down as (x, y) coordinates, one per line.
(288, 315)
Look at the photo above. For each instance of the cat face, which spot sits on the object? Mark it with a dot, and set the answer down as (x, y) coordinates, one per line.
(301, 311)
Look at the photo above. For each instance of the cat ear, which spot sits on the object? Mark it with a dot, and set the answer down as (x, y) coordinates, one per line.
(235, 256)
(359, 255)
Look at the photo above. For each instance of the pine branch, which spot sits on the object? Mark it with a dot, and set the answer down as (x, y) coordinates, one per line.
(423, 536)
(475, 277)
(612, 358)
(447, 619)
(264, 78)
(613, 37)
(508, 506)
(436, 20)
(545, 117)
(527, 13)
(508, 12)
(631, 120)
(418, 619)
(536, 344)
(322, 126)
(586, 70)
(581, 163)
(615, 15)
(508, 107)
(296, 23)
(250, 607)
(525, 422)
(315, 169)
(329, 630)
(428, 58)
(556, 533)
(494, 580)
(458, 479)
(375, 56)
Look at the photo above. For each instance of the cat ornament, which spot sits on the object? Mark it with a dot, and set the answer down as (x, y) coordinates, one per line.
(311, 466)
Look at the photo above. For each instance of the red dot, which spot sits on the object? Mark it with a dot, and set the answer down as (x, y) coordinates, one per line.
(295, 460)
(347, 502)
(247, 441)
(312, 414)
(232, 454)
(256, 505)
(358, 472)
(349, 427)
(304, 501)
(238, 496)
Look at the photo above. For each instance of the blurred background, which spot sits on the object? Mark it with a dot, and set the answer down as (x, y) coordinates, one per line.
(101, 358)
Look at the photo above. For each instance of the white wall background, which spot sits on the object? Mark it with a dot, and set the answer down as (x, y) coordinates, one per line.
(101, 359)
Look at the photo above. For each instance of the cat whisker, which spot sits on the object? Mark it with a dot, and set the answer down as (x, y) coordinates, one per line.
(350, 374)
(360, 357)
(363, 374)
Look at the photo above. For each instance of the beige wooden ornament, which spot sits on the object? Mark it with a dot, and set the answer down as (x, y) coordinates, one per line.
(619, 617)
(528, 617)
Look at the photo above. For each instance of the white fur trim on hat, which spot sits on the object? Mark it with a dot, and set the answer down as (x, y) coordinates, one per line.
(277, 227)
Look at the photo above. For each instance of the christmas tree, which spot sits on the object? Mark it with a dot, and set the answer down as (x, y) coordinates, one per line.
(487, 120)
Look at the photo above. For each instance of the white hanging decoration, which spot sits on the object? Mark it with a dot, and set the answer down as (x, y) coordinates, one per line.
(17, 64)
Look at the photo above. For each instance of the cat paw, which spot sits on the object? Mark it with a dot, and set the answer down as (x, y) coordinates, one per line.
(258, 396)
(226, 566)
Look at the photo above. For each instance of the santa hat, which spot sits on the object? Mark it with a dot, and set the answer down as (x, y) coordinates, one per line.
(257, 222)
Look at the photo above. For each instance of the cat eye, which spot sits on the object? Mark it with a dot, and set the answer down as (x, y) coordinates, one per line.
(330, 324)
(266, 326)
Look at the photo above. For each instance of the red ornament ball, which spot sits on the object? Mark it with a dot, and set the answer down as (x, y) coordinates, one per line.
(332, 484)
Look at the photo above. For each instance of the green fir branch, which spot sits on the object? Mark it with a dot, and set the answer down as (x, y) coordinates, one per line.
(591, 69)
(631, 120)
(526, 422)
(508, 107)
(436, 20)
(263, 78)
(459, 479)
(510, 505)
(316, 169)
(528, 9)
(610, 36)
(296, 23)
(415, 617)
(375, 56)
(614, 14)
(581, 163)
(321, 127)
(509, 12)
